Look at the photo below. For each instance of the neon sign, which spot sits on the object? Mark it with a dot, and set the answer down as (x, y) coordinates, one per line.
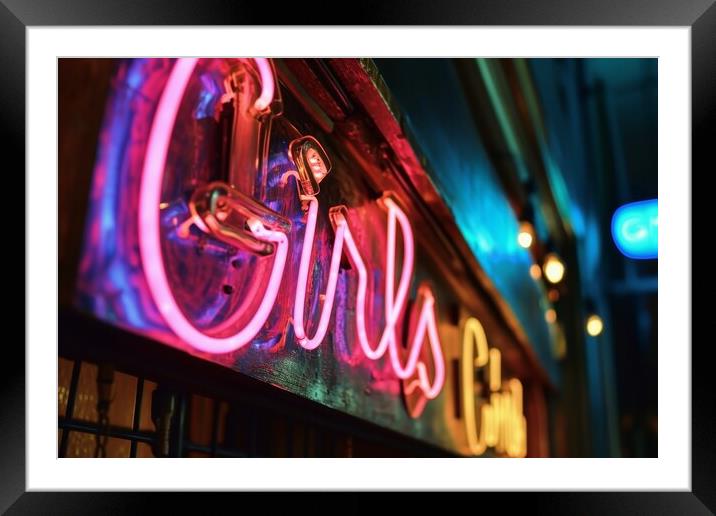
(499, 421)
(207, 232)
(635, 229)
(220, 210)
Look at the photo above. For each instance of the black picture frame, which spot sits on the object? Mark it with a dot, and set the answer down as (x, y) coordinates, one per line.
(17, 15)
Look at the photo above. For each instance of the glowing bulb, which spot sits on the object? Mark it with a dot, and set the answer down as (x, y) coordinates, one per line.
(535, 271)
(550, 315)
(594, 325)
(316, 162)
(312, 164)
(553, 268)
(524, 237)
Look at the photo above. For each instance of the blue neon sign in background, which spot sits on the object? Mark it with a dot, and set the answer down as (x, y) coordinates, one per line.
(635, 229)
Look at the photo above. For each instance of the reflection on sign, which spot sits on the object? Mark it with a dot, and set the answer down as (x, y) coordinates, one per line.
(635, 229)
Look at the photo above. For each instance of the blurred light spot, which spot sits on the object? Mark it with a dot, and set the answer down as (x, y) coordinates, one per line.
(550, 316)
(594, 325)
(553, 268)
(535, 271)
(525, 236)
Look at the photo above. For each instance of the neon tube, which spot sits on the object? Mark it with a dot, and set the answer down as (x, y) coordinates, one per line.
(515, 387)
(502, 424)
(306, 252)
(495, 369)
(394, 306)
(267, 84)
(149, 230)
(427, 324)
(418, 408)
(473, 339)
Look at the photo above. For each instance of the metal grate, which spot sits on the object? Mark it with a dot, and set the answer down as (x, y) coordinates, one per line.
(199, 426)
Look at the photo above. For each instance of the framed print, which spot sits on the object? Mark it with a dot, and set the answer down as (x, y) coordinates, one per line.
(419, 252)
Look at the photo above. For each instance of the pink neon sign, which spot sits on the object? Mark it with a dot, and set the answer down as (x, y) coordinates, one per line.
(149, 241)
(412, 368)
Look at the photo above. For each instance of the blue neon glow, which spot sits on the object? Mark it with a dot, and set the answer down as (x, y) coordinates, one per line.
(635, 229)
(461, 171)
